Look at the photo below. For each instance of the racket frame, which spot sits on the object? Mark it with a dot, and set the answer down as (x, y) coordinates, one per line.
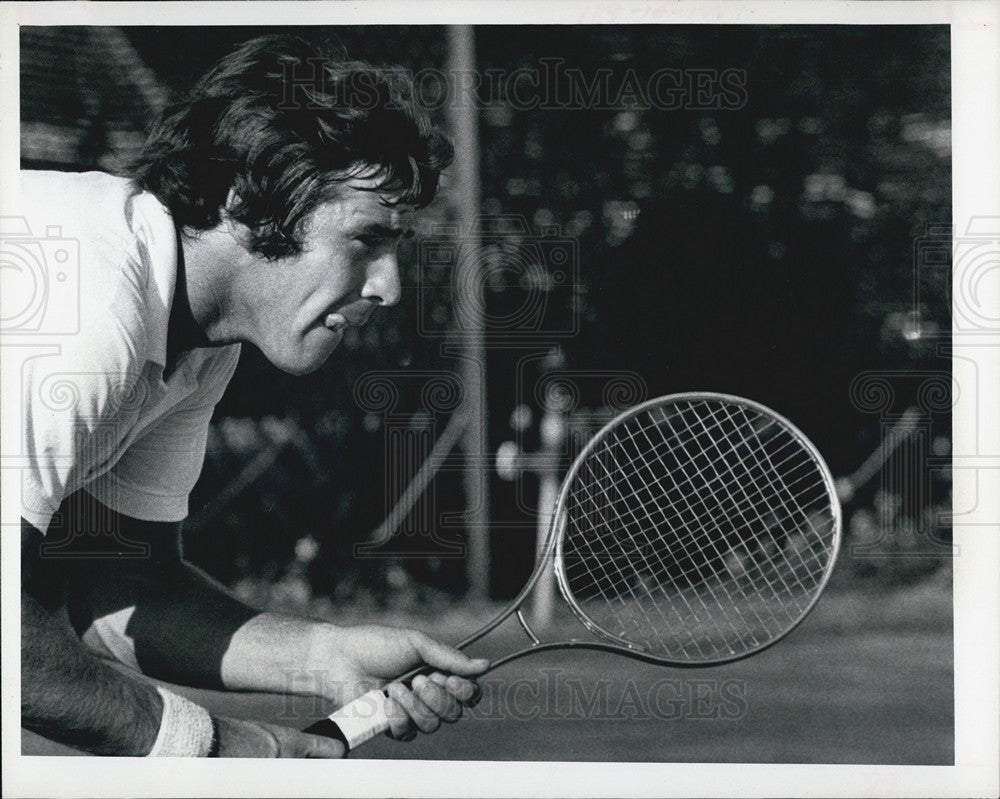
(550, 555)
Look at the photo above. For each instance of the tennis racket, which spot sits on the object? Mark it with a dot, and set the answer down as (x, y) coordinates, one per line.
(691, 530)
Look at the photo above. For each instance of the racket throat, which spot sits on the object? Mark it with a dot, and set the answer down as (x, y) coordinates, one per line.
(524, 626)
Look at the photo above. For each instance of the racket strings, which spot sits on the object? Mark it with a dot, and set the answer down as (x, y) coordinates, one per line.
(610, 584)
(707, 547)
(722, 458)
(694, 613)
(654, 551)
(739, 502)
(736, 505)
(685, 622)
(659, 507)
(597, 569)
(689, 506)
(689, 482)
(784, 497)
(782, 474)
(699, 533)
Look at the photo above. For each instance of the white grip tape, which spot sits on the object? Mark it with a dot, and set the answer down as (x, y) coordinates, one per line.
(364, 718)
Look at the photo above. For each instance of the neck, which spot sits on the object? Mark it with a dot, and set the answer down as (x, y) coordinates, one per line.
(183, 331)
(196, 315)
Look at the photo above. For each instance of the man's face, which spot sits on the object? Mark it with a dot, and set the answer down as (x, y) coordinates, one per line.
(297, 308)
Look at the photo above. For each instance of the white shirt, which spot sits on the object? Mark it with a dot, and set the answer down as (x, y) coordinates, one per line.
(98, 414)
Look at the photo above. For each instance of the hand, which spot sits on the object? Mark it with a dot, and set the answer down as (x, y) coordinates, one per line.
(256, 739)
(369, 655)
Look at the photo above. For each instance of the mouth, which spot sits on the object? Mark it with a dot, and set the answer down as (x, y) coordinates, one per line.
(336, 322)
(339, 322)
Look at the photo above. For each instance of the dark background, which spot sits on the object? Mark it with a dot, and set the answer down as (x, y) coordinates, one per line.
(767, 249)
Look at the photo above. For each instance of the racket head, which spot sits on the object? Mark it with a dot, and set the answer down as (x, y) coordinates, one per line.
(695, 529)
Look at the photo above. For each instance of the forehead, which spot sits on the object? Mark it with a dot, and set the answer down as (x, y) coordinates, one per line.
(360, 203)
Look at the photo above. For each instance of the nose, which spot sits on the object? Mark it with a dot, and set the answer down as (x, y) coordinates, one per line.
(382, 284)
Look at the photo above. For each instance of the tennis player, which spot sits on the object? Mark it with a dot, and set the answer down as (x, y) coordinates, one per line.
(266, 208)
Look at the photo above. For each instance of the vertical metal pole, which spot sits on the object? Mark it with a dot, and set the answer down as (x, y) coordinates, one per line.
(543, 598)
(464, 122)
(552, 433)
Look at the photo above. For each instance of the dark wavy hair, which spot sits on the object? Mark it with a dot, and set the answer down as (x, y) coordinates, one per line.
(282, 125)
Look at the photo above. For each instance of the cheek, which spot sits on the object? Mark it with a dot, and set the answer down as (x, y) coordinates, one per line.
(344, 272)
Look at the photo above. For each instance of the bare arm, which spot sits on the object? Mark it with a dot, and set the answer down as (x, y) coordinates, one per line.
(187, 629)
(68, 695)
(71, 696)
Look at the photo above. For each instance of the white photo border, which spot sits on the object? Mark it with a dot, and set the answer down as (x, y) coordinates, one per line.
(975, 37)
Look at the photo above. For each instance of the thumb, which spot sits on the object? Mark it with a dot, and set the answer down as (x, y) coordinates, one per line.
(321, 746)
(447, 658)
(292, 743)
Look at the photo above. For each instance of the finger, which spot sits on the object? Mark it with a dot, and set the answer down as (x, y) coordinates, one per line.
(321, 746)
(421, 715)
(401, 726)
(477, 695)
(462, 689)
(433, 693)
(292, 743)
(447, 658)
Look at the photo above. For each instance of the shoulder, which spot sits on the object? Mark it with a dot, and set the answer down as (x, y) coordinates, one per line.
(78, 181)
(87, 211)
(116, 265)
(71, 199)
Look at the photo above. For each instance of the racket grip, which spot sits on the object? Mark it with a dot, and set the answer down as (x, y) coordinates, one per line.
(357, 721)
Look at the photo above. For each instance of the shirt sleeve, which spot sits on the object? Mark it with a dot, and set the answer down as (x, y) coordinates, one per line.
(77, 406)
(153, 478)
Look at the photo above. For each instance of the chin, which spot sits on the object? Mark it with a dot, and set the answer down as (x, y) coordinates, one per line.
(303, 367)
(303, 364)
(302, 356)
(299, 369)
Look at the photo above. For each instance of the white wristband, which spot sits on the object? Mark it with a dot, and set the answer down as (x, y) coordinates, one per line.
(185, 728)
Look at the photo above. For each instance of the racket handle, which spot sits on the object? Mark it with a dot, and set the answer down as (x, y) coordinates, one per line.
(357, 721)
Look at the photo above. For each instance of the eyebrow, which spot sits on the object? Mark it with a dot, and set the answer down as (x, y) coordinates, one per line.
(383, 231)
